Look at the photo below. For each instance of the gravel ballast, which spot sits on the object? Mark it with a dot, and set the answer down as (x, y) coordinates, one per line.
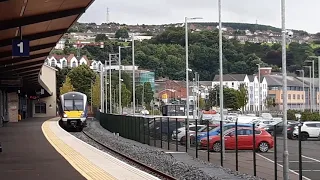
(158, 159)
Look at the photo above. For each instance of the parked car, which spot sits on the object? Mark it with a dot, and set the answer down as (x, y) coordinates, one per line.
(216, 131)
(166, 129)
(181, 132)
(309, 129)
(264, 140)
(290, 129)
(193, 134)
(270, 128)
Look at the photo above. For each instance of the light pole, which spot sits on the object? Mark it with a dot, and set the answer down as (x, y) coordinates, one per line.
(110, 81)
(120, 80)
(309, 93)
(312, 89)
(187, 75)
(258, 90)
(285, 94)
(302, 71)
(221, 83)
(133, 78)
(101, 90)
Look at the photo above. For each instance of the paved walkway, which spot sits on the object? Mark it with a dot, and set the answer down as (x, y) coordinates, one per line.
(27, 155)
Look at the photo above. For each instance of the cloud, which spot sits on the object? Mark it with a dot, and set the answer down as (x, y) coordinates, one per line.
(299, 14)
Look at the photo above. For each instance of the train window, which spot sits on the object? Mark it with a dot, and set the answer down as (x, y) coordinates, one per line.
(68, 105)
(40, 108)
(78, 105)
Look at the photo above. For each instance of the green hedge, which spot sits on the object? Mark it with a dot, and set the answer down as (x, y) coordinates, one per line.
(305, 116)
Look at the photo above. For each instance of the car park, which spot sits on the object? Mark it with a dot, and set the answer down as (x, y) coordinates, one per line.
(263, 140)
(216, 131)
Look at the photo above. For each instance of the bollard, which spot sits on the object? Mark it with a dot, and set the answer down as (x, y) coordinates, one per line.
(254, 150)
(275, 153)
(176, 134)
(237, 160)
(208, 139)
(300, 153)
(0, 148)
(196, 138)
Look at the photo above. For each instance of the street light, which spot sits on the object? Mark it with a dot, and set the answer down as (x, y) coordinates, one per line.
(285, 93)
(318, 57)
(133, 78)
(309, 94)
(313, 97)
(187, 75)
(302, 71)
(222, 155)
(110, 80)
(120, 47)
(259, 90)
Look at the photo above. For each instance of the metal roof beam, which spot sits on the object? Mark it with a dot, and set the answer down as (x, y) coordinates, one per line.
(31, 37)
(26, 70)
(22, 69)
(32, 48)
(9, 62)
(21, 66)
(23, 21)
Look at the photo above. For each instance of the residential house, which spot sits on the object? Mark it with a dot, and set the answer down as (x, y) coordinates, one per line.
(252, 83)
(71, 61)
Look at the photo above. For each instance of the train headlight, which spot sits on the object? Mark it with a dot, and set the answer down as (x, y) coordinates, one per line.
(65, 115)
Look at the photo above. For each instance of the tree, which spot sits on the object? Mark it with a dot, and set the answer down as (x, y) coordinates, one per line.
(230, 98)
(202, 103)
(81, 79)
(96, 93)
(60, 78)
(242, 96)
(144, 92)
(101, 38)
(122, 33)
(67, 86)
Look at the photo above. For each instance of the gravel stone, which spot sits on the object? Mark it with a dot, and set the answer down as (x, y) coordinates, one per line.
(158, 159)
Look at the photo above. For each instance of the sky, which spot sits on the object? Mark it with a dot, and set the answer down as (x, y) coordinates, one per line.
(300, 14)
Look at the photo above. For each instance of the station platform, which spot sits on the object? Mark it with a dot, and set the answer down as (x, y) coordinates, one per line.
(39, 148)
(27, 155)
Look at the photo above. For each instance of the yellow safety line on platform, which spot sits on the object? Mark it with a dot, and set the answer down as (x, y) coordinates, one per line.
(86, 168)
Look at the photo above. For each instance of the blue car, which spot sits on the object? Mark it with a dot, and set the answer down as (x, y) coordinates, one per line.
(216, 130)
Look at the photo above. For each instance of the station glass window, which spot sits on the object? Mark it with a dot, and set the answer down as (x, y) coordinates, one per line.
(40, 108)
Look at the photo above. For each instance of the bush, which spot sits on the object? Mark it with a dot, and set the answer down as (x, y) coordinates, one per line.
(291, 114)
(310, 116)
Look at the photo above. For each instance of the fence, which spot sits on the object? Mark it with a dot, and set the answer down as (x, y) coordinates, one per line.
(240, 154)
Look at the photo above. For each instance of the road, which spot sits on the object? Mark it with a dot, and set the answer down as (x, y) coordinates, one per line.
(310, 157)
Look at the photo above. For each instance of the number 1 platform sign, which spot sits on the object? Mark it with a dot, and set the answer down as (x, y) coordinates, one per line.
(20, 48)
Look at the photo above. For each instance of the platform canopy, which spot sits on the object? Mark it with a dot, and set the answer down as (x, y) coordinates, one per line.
(43, 23)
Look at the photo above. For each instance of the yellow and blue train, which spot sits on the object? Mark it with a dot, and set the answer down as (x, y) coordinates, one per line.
(73, 110)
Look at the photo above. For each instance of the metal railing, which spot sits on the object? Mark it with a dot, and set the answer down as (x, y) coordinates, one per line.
(163, 132)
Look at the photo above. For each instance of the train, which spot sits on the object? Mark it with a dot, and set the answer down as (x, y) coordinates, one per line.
(73, 110)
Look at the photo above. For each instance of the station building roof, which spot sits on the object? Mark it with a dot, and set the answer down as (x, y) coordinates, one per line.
(43, 23)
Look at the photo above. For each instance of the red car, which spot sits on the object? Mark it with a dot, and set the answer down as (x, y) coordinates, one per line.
(264, 140)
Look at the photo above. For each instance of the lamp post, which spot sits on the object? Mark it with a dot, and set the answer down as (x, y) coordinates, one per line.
(285, 94)
(309, 93)
(133, 78)
(221, 82)
(259, 89)
(187, 75)
(120, 80)
(302, 71)
(110, 81)
(312, 87)
(102, 90)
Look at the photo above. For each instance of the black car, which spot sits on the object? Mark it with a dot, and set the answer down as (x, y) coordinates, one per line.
(270, 128)
(279, 128)
(290, 130)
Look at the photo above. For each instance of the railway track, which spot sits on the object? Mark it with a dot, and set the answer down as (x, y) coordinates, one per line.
(140, 165)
